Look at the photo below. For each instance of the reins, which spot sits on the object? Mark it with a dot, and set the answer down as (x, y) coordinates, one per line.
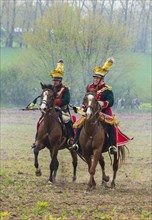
(94, 113)
(50, 104)
(93, 123)
(49, 107)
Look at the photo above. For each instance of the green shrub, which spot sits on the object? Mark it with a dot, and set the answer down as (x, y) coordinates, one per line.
(146, 106)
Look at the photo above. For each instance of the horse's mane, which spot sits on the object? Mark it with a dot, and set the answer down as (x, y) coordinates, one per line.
(88, 90)
(47, 86)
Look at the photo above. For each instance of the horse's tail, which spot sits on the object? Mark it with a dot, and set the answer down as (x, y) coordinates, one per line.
(122, 155)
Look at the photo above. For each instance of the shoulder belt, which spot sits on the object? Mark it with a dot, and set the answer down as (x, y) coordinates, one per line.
(60, 92)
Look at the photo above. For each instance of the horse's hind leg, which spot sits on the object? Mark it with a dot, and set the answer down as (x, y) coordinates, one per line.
(115, 168)
(105, 178)
(53, 165)
(55, 171)
(36, 164)
(88, 160)
(74, 162)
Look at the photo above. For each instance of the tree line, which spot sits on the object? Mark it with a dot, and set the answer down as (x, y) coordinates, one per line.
(83, 33)
(19, 16)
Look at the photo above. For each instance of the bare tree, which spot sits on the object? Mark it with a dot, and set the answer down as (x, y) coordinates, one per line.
(144, 24)
(10, 22)
(2, 30)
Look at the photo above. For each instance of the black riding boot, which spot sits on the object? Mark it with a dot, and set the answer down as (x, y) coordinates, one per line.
(112, 141)
(70, 132)
(75, 146)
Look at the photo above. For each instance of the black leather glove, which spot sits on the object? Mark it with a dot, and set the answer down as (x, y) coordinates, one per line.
(75, 109)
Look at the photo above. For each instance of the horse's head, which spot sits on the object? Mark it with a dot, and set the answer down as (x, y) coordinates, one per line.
(91, 103)
(47, 98)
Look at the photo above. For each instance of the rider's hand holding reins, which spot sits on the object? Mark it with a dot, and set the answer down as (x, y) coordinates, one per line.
(101, 103)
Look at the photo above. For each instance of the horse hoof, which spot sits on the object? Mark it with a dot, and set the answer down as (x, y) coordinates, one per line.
(106, 178)
(113, 185)
(104, 183)
(38, 173)
(87, 192)
(93, 187)
(50, 183)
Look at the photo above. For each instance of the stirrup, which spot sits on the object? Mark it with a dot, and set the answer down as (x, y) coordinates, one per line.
(74, 147)
(70, 141)
(113, 150)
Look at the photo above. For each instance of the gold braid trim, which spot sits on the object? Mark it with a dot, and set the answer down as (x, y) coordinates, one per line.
(109, 119)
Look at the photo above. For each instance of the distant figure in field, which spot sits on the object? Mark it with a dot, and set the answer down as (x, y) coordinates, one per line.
(136, 103)
(120, 103)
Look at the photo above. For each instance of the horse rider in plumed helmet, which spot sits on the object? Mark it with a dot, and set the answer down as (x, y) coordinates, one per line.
(62, 100)
(105, 98)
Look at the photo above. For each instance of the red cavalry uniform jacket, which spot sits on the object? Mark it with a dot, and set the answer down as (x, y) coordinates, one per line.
(63, 97)
(105, 95)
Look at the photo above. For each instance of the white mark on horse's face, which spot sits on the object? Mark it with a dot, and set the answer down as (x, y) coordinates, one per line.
(89, 110)
(44, 100)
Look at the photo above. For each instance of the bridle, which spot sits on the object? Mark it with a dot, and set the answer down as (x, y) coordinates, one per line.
(94, 116)
(92, 111)
(47, 105)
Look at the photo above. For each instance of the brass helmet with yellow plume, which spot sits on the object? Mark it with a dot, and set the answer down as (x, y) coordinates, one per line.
(100, 72)
(57, 74)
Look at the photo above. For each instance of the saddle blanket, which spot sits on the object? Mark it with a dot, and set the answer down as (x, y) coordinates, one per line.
(121, 138)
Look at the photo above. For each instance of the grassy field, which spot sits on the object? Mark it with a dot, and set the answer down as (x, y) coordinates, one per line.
(27, 197)
(139, 70)
(10, 57)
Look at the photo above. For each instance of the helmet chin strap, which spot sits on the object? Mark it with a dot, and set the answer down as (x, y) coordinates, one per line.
(98, 83)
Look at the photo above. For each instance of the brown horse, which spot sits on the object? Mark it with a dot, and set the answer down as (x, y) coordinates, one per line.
(92, 141)
(50, 134)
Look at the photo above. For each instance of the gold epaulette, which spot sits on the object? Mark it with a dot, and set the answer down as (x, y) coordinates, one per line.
(65, 85)
(108, 87)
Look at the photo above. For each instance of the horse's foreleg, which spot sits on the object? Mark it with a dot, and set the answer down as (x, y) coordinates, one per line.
(105, 178)
(94, 162)
(115, 168)
(36, 164)
(74, 162)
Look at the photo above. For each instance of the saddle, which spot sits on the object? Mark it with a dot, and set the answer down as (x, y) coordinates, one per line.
(60, 120)
(65, 121)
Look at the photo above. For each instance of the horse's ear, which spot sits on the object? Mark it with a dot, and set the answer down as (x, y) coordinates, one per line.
(42, 86)
(88, 88)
